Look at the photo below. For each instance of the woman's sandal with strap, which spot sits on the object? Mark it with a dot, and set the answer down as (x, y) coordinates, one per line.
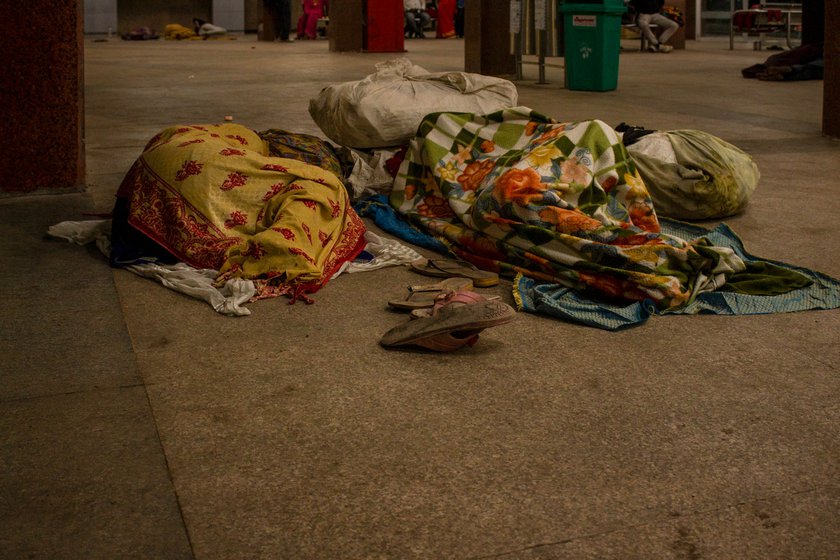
(424, 296)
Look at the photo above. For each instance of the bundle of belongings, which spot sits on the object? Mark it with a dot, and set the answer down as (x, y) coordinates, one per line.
(140, 34)
(572, 212)
(201, 30)
(691, 174)
(176, 31)
(385, 108)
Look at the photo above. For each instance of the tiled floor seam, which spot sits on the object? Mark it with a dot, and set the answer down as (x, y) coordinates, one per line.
(155, 424)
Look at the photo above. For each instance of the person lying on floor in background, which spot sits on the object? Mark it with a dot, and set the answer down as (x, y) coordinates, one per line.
(206, 29)
(649, 13)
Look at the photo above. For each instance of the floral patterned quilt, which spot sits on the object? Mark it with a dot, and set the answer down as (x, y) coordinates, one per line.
(215, 197)
(518, 192)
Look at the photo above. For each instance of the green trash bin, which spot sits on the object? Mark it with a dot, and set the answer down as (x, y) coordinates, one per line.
(592, 30)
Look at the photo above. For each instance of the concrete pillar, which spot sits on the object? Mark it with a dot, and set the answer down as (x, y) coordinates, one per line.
(690, 15)
(346, 25)
(266, 29)
(42, 77)
(813, 24)
(831, 81)
(253, 12)
(487, 38)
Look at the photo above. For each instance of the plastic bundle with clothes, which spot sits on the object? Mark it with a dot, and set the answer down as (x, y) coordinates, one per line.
(694, 175)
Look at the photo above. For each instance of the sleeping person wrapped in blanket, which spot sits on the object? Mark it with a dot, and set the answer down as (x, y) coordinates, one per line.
(269, 207)
(517, 192)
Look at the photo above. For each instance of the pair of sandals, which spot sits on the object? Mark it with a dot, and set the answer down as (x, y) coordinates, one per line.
(447, 315)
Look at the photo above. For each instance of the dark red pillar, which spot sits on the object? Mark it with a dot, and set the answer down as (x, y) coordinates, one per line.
(831, 83)
(384, 24)
(42, 77)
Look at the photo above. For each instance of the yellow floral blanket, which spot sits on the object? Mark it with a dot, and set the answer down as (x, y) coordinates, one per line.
(213, 196)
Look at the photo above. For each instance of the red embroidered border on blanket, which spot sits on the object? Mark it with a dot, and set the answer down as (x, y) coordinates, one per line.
(158, 211)
(161, 213)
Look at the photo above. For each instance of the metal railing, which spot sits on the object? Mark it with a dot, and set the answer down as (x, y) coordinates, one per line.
(535, 30)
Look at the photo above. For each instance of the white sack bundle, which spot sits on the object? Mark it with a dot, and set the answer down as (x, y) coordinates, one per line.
(385, 108)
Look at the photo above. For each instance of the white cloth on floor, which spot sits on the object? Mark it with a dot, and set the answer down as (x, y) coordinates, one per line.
(386, 252)
(181, 277)
(208, 30)
(85, 232)
(198, 283)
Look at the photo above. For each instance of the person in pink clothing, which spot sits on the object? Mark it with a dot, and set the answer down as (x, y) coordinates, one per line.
(308, 23)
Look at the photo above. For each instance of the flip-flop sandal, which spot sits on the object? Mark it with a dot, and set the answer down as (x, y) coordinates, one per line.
(418, 297)
(448, 268)
(463, 296)
(447, 342)
(453, 324)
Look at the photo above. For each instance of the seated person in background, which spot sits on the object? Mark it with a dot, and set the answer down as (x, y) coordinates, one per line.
(649, 12)
(416, 10)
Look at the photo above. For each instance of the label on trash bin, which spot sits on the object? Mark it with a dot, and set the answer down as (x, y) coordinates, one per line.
(584, 21)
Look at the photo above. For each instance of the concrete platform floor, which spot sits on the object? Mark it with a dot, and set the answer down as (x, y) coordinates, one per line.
(137, 423)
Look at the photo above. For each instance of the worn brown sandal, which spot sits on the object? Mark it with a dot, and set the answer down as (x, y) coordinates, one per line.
(455, 321)
(448, 268)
